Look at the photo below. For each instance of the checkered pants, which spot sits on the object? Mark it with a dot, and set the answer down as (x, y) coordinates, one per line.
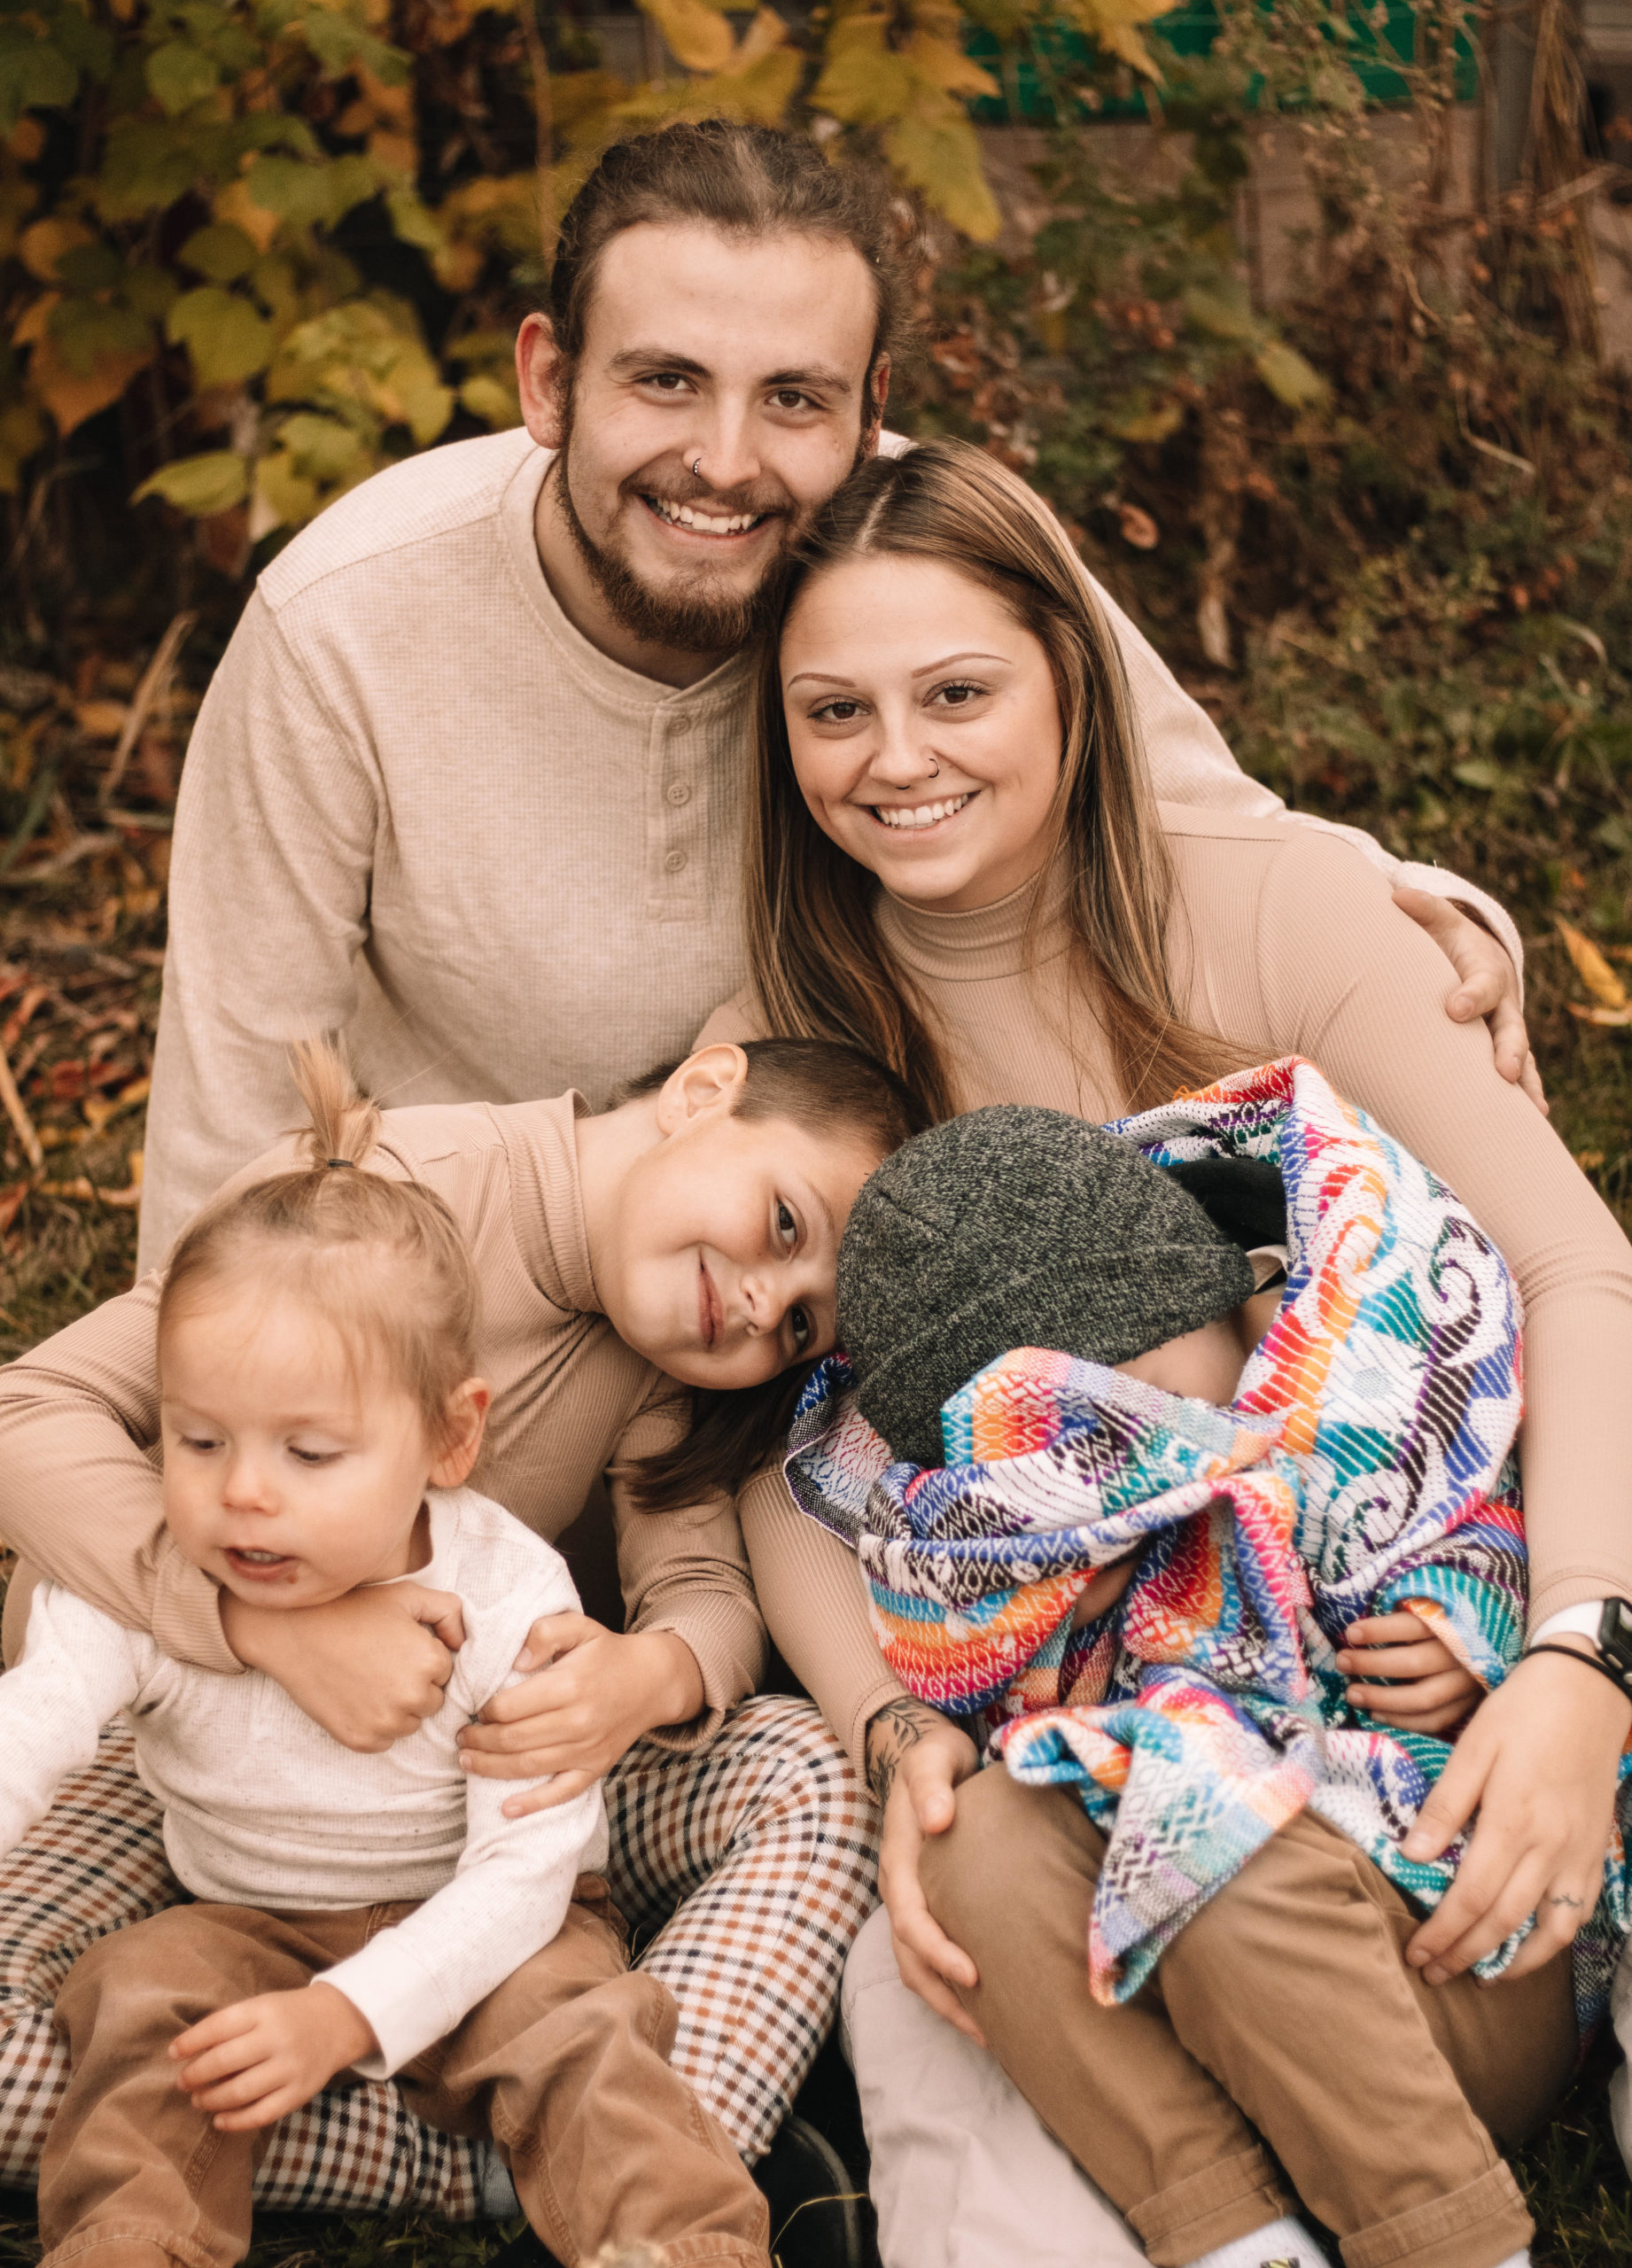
(747, 1866)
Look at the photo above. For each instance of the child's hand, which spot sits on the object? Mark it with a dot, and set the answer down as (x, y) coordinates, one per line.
(594, 1692)
(1430, 1690)
(261, 2059)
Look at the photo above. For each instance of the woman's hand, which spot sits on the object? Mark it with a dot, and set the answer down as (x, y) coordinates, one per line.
(916, 1759)
(1538, 1760)
(1489, 986)
(261, 2059)
(600, 1691)
(367, 1667)
(1430, 1690)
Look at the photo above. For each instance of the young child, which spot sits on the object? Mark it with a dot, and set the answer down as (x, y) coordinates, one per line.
(1121, 1501)
(381, 1913)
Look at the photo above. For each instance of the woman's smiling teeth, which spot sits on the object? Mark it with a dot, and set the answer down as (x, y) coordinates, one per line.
(684, 515)
(915, 815)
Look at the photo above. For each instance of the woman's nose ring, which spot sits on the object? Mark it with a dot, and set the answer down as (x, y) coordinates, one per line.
(934, 767)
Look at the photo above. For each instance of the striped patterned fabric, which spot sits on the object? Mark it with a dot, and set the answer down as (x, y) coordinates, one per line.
(1366, 1464)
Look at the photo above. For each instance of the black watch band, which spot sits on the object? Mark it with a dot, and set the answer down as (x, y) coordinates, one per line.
(1621, 1679)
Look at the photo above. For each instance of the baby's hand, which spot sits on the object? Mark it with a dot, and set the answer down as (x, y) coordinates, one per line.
(261, 2059)
(1429, 1690)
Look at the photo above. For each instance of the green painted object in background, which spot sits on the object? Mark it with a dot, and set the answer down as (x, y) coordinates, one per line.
(1038, 80)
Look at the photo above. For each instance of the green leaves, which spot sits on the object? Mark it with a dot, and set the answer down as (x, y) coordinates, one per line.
(34, 74)
(202, 485)
(219, 252)
(1288, 376)
(226, 336)
(180, 74)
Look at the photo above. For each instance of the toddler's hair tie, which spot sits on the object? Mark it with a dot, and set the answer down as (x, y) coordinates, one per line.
(340, 1161)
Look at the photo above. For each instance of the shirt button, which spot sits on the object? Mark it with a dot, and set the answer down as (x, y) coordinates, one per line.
(678, 792)
(682, 724)
(673, 860)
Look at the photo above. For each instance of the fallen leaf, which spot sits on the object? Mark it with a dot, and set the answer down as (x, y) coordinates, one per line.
(1616, 1017)
(104, 720)
(1593, 970)
(1138, 527)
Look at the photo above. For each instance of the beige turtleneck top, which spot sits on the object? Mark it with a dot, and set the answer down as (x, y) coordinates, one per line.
(1286, 944)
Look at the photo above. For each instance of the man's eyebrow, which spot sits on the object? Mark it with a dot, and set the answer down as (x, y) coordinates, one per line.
(632, 358)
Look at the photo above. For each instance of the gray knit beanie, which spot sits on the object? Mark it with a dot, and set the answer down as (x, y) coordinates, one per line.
(1017, 1227)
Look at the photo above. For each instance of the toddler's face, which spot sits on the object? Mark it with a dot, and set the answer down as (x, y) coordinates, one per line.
(287, 1477)
(721, 1267)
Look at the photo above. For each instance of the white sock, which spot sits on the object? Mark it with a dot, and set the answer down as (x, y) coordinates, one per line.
(1516, 2259)
(1283, 2239)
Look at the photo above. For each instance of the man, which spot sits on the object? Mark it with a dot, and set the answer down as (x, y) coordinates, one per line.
(467, 784)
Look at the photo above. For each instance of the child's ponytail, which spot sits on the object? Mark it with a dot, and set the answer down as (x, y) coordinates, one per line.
(344, 1123)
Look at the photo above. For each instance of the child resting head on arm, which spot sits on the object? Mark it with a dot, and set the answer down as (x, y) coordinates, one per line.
(321, 1413)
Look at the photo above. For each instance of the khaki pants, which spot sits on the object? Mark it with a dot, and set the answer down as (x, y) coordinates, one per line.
(564, 2066)
(1282, 2013)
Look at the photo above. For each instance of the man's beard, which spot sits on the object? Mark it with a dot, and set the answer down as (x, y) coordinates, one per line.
(689, 614)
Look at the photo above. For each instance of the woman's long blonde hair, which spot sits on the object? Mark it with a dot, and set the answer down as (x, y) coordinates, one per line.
(820, 968)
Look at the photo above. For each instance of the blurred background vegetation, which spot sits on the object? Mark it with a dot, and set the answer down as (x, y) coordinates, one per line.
(1313, 322)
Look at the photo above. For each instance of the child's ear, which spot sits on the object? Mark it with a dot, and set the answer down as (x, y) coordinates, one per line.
(467, 1422)
(707, 1084)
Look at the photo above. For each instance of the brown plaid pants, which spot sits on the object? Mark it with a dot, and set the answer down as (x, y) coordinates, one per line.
(748, 1866)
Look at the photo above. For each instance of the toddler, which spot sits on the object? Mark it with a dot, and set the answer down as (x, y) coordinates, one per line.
(1125, 1469)
(379, 1914)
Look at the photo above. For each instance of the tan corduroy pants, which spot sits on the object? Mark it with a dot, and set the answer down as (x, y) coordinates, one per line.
(566, 2066)
(1284, 2015)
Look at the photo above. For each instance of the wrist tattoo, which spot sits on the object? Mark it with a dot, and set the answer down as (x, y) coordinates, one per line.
(899, 1726)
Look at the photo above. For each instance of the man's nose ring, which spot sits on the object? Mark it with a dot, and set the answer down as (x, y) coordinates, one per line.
(695, 467)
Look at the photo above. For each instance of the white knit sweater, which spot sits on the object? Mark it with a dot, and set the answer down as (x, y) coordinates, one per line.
(262, 1808)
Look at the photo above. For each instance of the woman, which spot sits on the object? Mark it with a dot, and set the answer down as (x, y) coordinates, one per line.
(954, 861)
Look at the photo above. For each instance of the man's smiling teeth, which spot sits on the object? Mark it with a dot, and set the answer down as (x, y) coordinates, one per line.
(682, 516)
(919, 814)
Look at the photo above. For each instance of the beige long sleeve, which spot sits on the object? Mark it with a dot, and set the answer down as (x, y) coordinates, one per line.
(1286, 944)
(420, 809)
(79, 1417)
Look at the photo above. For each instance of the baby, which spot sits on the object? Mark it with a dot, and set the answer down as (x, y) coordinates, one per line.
(1149, 1426)
(388, 1913)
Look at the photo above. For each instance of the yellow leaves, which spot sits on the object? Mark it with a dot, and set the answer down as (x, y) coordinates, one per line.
(1288, 376)
(1610, 1004)
(699, 36)
(945, 65)
(940, 156)
(236, 206)
(365, 354)
(1151, 424)
(42, 246)
(71, 395)
(486, 215)
(912, 91)
(1112, 22)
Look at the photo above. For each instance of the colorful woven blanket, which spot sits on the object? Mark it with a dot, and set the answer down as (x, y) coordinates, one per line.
(1366, 1464)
